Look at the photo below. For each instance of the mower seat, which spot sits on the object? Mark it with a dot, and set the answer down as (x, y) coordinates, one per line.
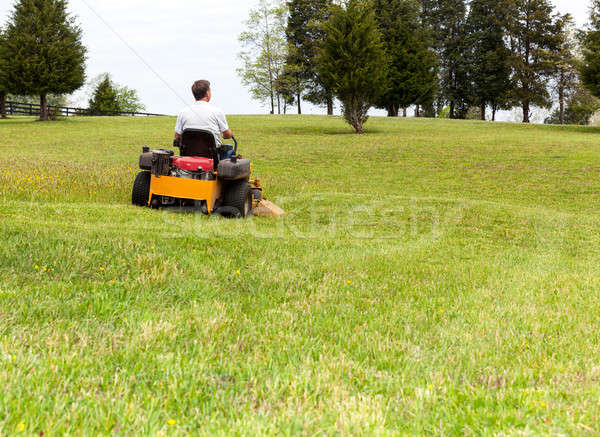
(200, 143)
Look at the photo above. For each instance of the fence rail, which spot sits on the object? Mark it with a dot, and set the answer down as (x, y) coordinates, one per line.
(19, 108)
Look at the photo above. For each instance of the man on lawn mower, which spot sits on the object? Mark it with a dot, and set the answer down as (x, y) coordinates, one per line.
(203, 115)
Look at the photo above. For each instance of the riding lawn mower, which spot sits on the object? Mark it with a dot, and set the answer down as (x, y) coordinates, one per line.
(215, 179)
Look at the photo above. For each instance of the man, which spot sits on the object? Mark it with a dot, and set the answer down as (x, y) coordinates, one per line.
(203, 115)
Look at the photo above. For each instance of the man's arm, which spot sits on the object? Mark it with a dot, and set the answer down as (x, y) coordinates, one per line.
(227, 135)
(179, 127)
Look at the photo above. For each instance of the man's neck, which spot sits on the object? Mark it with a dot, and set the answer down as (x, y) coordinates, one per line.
(202, 100)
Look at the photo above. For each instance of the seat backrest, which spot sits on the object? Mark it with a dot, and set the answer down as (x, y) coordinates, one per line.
(198, 142)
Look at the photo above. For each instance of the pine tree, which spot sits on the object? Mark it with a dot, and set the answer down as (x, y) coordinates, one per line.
(304, 34)
(412, 74)
(45, 50)
(447, 21)
(105, 97)
(534, 33)
(352, 61)
(490, 72)
(590, 67)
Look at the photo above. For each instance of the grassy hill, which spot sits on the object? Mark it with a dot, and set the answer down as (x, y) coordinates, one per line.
(430, 277)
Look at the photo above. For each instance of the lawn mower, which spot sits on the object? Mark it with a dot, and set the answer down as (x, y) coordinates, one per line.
(215, 179)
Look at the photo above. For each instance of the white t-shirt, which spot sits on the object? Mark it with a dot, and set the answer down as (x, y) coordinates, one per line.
(202, 115)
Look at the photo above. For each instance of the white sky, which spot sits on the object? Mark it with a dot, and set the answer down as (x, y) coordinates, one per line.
(175, 42)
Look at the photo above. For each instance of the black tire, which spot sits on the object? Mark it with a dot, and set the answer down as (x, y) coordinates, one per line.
(237, 201)
(141, 189)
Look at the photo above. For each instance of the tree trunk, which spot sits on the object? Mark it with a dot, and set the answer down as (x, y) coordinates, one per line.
(483, 112)
(493, 113)
(452, 113)
(329, 106)
(278, 104)
(392, 111)
(3, 104)
(417, 111)
(272, 103)
(43, 107)
(299, 103)
(404, 112)
(561, 103)
(526, 111)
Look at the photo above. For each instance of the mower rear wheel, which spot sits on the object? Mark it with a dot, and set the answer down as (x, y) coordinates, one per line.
(237, 201)
(141, 189)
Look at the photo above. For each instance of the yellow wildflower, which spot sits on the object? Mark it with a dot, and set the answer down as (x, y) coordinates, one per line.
(172, 422)
(21, 426)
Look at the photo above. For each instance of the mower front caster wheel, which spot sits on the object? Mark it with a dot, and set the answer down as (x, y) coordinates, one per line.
(141, 189)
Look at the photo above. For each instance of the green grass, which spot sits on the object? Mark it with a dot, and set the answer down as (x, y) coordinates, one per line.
(430, 278)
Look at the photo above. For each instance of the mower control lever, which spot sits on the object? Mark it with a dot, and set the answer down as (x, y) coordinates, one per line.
(236, 144)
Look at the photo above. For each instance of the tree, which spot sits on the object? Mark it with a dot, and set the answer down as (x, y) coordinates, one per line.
(352, 34)
(565, 78)
(128, 100)
(45, 49)
(412, 73)
(578, 108)
(490, 58)
(3, 78)
(534, 35)
(590, 41)
(446, 20)
(105, 97)
(111, 97)
(264, 51)
(304, 34)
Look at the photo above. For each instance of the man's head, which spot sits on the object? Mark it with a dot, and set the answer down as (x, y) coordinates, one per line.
(201, 90)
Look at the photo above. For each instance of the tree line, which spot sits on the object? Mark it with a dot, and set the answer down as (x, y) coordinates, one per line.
(444, 58)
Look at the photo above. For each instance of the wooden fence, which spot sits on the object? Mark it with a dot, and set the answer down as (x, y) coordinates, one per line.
(17, 108)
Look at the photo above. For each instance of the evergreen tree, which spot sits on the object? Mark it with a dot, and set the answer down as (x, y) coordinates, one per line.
(105, 97)
(352, 60)
(447, 21)
(304, 34)
(490, 58)
(590, 39)
(412, 74)
(45, 50)
(3, 78)
(534, 33)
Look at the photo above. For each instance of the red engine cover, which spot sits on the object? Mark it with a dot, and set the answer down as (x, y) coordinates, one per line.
(194, 163)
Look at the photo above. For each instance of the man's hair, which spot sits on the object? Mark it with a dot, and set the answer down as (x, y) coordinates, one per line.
(200, 89)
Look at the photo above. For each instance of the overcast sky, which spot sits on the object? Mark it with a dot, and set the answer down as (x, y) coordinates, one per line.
(161, 47)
